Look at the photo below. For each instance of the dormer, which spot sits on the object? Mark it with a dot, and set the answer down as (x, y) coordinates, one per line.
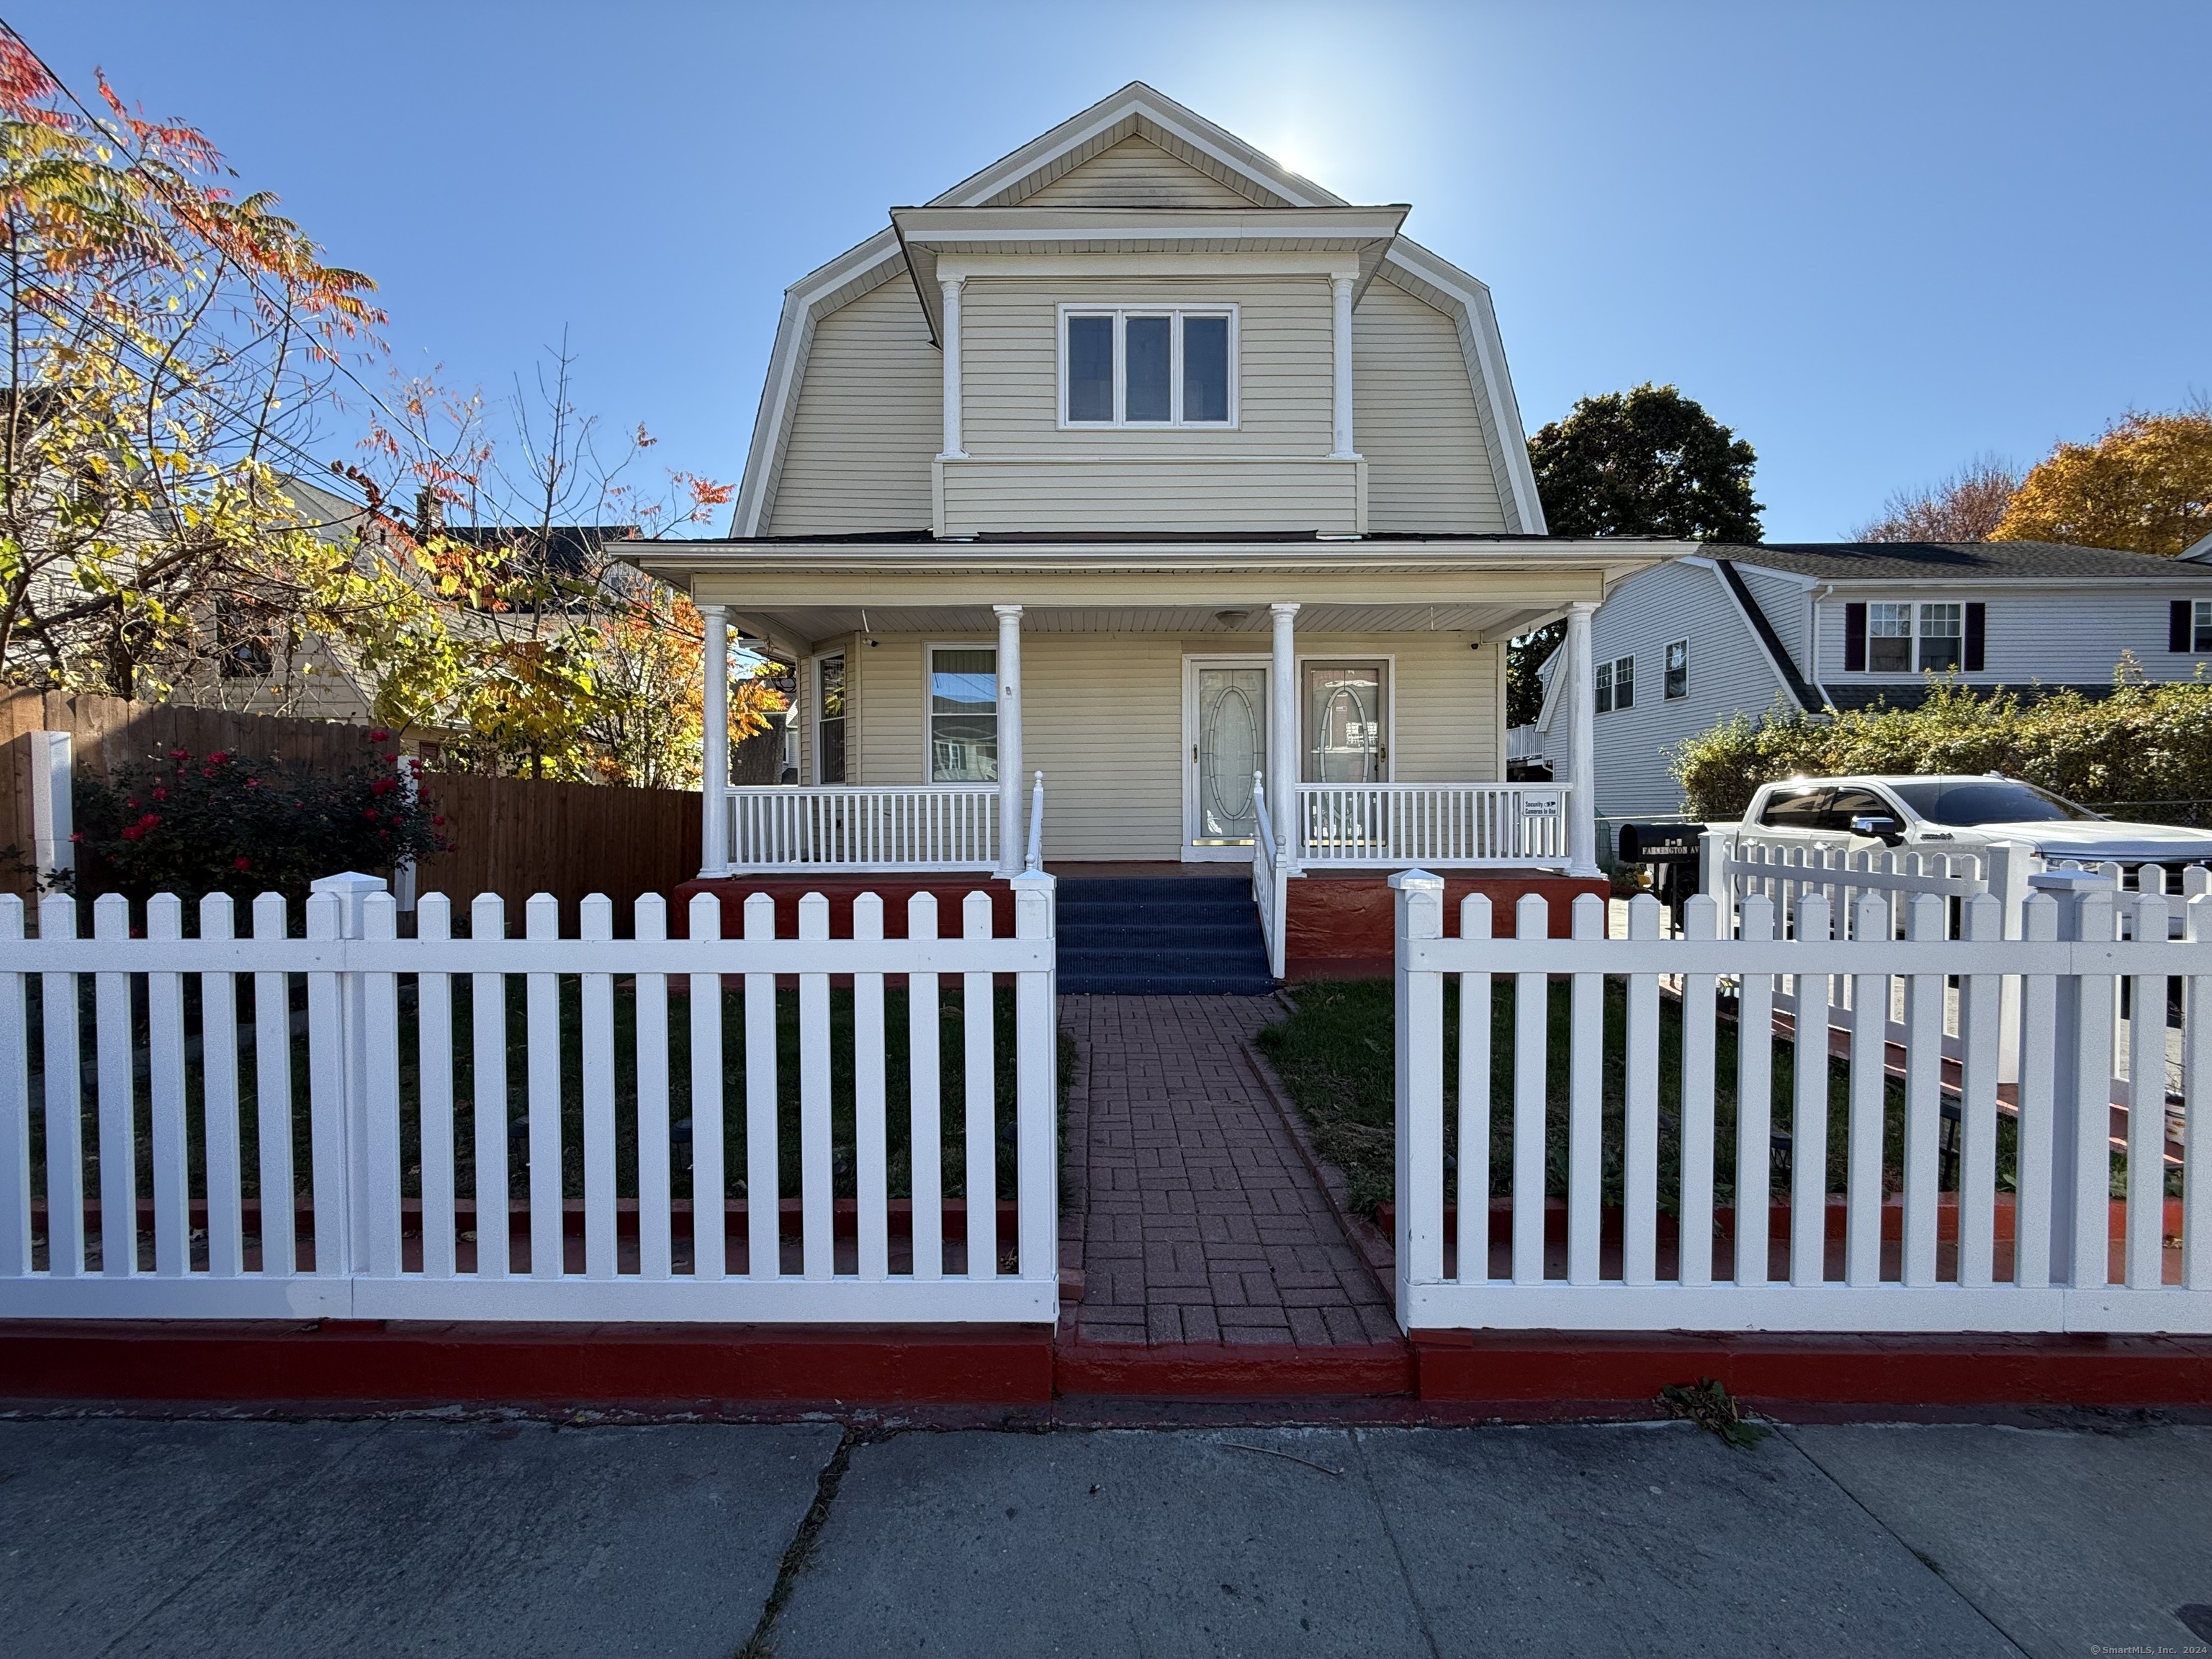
(1138, 324)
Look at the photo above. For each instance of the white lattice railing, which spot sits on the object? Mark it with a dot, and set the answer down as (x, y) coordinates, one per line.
(930, 827)
(1433, 824)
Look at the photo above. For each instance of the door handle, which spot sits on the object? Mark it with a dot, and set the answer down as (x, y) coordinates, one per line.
(1194, 754)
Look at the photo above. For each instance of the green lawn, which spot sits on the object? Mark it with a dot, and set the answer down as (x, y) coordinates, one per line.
(1336, 1056)
(952, 1081)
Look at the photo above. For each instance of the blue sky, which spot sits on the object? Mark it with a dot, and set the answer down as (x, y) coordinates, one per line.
(1877, 239)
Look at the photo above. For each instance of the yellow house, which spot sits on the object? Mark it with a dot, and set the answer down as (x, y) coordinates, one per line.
(1140, 464)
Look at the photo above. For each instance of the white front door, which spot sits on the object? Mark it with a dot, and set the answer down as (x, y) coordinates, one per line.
(1224, 742)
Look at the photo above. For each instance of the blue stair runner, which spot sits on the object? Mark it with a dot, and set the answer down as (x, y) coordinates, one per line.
(1174, 935)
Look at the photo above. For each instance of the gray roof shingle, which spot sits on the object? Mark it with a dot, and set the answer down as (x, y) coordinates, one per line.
(1958, 561)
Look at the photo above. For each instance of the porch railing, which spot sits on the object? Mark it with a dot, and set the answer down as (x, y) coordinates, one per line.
(1270, 887)
(936, 827)
(1457, 825)
(618, 1159)
(1709, 1183)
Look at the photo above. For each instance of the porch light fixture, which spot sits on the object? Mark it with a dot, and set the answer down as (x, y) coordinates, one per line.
(1231, 618)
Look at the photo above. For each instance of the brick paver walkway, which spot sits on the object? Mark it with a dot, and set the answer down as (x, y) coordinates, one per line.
(1195, 1219)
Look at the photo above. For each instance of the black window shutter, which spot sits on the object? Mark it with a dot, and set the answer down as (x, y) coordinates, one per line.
(2178, 619)
(1855, 638)
(1978, 627)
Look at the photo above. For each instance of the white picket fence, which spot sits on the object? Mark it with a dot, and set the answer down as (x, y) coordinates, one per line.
(376, 1047)
(2054, 1253)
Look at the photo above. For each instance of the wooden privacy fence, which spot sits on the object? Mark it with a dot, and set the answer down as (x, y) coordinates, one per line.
(355, 1125)
(1717, 1179)
(513, 836)
(518, 837)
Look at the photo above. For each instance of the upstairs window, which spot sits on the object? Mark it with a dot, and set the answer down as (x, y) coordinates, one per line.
(1148, 368)
(1898, 638)
(1678, 670)
(1615, 686)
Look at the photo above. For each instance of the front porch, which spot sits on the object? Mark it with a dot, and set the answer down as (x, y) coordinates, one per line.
(1299, 718)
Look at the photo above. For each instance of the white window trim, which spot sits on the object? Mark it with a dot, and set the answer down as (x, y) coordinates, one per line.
(1612, 665)
(816, 703)
(2200, 621)
(1120, 312)
(1666, 671)
(929, 650)
(1914, 608)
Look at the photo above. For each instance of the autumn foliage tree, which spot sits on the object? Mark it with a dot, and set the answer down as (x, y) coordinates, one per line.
(2145, 483)
(180, 355)
(167, 342)
(1966, 507)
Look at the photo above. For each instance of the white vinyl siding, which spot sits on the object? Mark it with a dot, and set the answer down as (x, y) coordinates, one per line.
(1729, 673)
(869, 416)
(1151, 493)
(1785, 599)
(2064, 636)
(1415, 419)
(1135, 174)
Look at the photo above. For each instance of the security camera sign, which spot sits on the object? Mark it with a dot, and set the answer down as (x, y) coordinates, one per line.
(1540, 806)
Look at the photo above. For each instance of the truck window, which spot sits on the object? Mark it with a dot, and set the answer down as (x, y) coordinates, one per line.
(1794, 809)
(1844, 804)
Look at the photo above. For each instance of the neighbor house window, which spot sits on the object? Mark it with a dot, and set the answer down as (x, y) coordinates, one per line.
(1942, 636)
(1942, 630)
(1889, 639)
(964, 713)
(1678, 670)
(1138, 367)
(2200, 630)
(1616, 686)
(830, 718)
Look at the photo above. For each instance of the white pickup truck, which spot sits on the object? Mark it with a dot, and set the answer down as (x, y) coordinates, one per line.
(1962, 814)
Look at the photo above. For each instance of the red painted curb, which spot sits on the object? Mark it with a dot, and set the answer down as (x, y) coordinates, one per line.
(1217, 1371)
(415, 1364)
(1823, 1369)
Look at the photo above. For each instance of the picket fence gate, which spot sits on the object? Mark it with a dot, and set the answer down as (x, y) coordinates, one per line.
(2056, 1253)
(377, 1042)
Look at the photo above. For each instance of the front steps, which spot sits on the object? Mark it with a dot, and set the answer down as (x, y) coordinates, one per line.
(1160, 936)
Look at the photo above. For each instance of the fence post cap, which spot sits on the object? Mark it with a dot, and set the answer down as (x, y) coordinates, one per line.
(2069, 881)
(1418, 880)
(1033, 881)
(347, 883)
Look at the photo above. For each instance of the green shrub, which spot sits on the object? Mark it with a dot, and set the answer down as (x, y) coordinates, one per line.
(2145, 747)
(193, 824)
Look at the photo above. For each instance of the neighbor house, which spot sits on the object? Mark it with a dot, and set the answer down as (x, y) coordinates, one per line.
(1139, 462)
(1811, 626)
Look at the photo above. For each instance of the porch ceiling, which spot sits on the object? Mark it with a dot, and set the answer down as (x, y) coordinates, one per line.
(801, 626)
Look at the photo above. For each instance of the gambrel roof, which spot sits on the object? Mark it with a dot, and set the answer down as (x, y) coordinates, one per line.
(1240, 177)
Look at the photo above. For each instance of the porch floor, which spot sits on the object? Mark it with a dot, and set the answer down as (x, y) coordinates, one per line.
(1193, 1216)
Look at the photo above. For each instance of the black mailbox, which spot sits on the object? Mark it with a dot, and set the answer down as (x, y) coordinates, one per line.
(1658, 843)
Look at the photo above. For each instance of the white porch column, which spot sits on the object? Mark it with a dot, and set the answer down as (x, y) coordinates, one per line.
(1011, 838)
(1581, 763)
(952, 287)
(1282, 736)
(714, 743)
(1341, 287)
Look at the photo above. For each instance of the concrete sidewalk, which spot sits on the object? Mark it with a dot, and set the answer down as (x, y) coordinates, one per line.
(493, 1539)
